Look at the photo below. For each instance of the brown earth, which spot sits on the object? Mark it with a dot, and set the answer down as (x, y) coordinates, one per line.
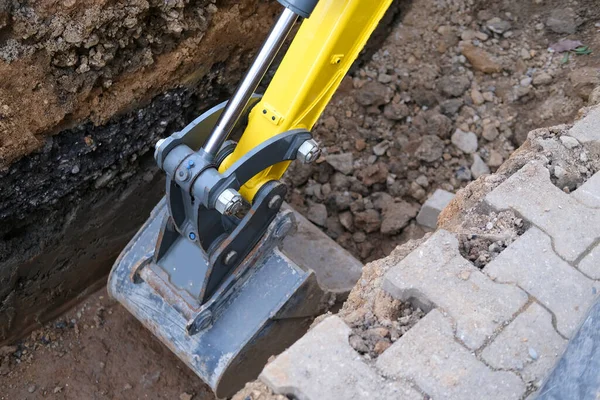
(96, 350)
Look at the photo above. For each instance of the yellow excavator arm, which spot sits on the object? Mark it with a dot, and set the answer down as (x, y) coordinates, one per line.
(316, 62)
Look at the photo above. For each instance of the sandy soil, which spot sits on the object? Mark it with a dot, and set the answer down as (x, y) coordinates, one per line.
(96, 350)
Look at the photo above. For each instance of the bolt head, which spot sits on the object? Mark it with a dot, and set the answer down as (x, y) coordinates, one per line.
(230, 257)
(229, 202)
(275, 202)
(308, 152)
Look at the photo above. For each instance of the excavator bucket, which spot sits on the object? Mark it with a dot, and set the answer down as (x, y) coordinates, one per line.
(271, 309)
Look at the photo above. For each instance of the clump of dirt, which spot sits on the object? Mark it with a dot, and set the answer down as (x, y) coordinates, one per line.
(453, 91)
(96, 350)
(376, 318)
(489, 234)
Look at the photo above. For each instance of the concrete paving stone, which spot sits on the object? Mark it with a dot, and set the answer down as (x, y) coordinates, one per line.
(322, 365)
(431, 209)
(429, 356)
(436, 275)
(572, 226)
(589, 193)
(590, 264)
(587, 129)
(531, 263)
(530, 344)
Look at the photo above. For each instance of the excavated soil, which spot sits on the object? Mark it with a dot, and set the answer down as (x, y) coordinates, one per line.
(449, 96)
(96, 350)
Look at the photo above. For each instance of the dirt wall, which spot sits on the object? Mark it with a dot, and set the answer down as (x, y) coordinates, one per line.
(86, 90)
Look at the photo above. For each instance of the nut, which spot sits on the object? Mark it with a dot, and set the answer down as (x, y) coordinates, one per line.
(308, 151)
(228, 202)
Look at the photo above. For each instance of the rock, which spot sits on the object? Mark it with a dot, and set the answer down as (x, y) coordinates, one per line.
(376, 173)
(498, 25)
(317, 213)
(463, 174)
(416, 191)
(453, 86)
(430, 149)
(465, 141)
(479, 167)
(477, 97)
(380, 148)
(384, 78)
(525, 81)
(584, 80)
(360, 144)
(396, 111)
(372, 94)
(31, 388)
(396, 216)
(542, 78)
(343, 163)
(569, 142)
(185, 396)
(451, 107)
(368, 220)
(346, 220)
(563, 20)
(496, 159)
(358, 344)
(481, 60)
(330, 123)
(381, 346)
(439, 125)
(490, 132)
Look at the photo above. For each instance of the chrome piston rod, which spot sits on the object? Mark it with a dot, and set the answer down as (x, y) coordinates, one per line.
(250, 82)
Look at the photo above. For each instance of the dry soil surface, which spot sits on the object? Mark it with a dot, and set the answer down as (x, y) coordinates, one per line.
(96, 350)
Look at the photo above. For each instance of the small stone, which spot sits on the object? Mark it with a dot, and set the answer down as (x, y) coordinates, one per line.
(481, 60)
(416, 191)
(454, 86)
(569, 142)
(372, 94)
(594, 97)
(396, 111)
(343, 163)
(463, 174)
(127, 387)
(477, 97)
(368, 220)
(525, 54)
(422, 181)
(381, 148)
(559, 172)
(185, 396)
(31, 388)
(360, 144)
(465, 275)
(317, 213)
(488, 96)
(479, 167)
(451, 107)
(346, 219)
(397, 216)
(358, 344)
(381, 346)
(542, 78)
(384, 78)
(525, 81)
(563, 20)
(533, 354)
(430, 149)
(498, 25)
(495, 159)
(57, 389)
(465, 141)
(490, 132)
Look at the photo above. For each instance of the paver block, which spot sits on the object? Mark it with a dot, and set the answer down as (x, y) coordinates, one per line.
(530, 344)
(589, 193)
(587, 129)
(428, 355)
(590, 264)
(531, 263)
(572, 226)
(431, 209)
(323, 365)
(436, 275)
